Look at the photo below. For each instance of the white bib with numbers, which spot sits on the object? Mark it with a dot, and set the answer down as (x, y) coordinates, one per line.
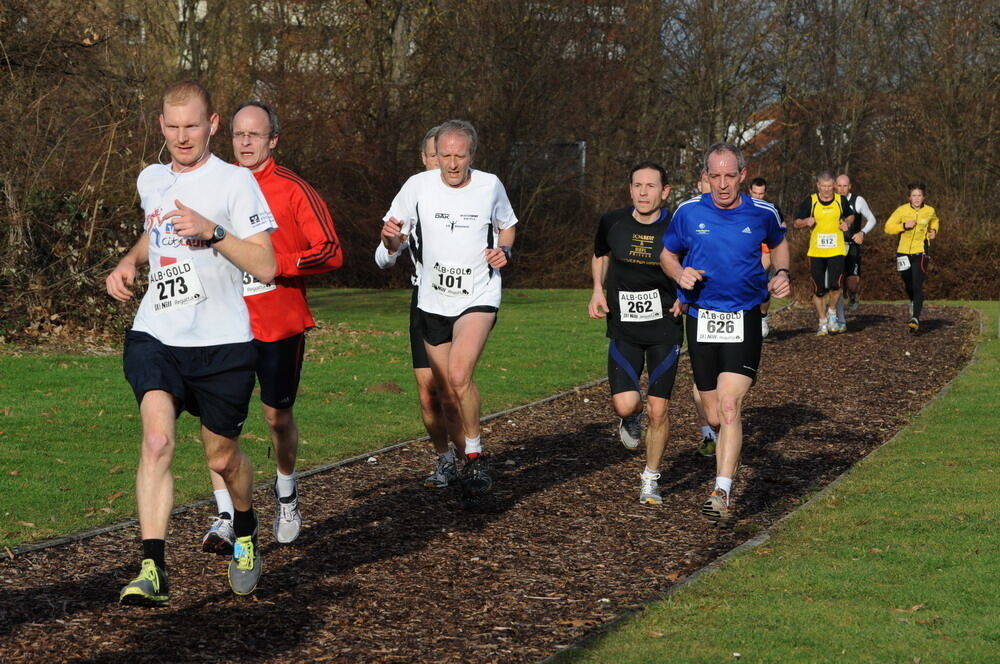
(175, 286)
(254, 286)
(639, 306)
(902, 263)
(452, 280)
(720, 326)
(826, 241)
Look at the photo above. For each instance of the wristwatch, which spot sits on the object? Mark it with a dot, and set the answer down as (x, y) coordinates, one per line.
(786, 271)
(218, 234)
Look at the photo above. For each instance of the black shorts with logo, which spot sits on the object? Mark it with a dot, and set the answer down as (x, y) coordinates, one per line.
(708, 360)
(827, 273)
(437, 330)
(279, 369)
(626, 361)
(213, 383)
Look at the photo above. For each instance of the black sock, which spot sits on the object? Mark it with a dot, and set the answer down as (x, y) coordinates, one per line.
(155, 550)
(244, 523)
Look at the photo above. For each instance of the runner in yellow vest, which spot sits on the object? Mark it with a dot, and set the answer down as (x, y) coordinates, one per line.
(828, 215)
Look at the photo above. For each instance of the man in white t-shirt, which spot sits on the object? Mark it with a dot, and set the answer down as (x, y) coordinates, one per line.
(190, 347)
(464, 224)
(440, 417)
(855, 237)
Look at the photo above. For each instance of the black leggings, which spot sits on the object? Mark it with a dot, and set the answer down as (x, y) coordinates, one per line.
(913, 280)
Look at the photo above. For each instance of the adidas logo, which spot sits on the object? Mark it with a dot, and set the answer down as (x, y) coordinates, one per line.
(747, 230)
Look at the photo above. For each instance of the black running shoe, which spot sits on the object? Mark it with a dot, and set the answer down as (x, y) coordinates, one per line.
(475, 478)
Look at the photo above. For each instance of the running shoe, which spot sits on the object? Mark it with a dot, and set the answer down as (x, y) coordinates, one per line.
(649, 489)
(246, 566)
(707, 448)
(443, 475)
(147, 589)
(833, 325)
(914, 325)
(765, 329)
(853, 303)
(475, 478)
(287, 520)
(717, 508)
(630, 431)
(220, 536)
(822, 331)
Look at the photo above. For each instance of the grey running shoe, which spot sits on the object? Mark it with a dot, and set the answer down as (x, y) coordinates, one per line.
(649, 489)
(220, 536)
(717, 508)
(287, 520)
(765, 329)
(853, 303)
(475, 478)
(246, 566)
(630, 431)
(914, 325)
(443, 475)
(707, 448)
(147, 589)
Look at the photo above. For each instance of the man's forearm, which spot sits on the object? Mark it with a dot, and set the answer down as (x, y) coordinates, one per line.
(254, 255)
(598, 272)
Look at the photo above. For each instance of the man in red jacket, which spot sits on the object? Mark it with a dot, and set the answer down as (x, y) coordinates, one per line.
(305, 243)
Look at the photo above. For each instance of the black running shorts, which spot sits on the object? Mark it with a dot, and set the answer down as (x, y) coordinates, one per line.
(417, 349)
(213, 383)
(708, 360)
(279, 368)
(626, 361)
(852, 261)
(437, 330)
(827, 273)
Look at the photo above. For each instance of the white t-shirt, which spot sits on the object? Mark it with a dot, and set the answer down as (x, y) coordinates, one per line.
(195, 294)
(453, 228)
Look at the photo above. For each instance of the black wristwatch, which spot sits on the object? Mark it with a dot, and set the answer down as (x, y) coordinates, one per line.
(218, 234)
(785, 270)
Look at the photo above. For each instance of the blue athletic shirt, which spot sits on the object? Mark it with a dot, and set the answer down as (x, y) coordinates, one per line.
(726, 244)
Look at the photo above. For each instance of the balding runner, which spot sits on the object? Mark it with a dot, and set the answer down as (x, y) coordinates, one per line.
(712, 250)
(855, 237)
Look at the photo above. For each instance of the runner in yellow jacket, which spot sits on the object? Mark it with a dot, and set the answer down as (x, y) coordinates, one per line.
(916, 224)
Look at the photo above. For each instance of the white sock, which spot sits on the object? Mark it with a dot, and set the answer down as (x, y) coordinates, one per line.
(224, 502)
(473, 445)
(285, 484)
(840, 309)
(724, 483)
(708, 432)
(650, 473)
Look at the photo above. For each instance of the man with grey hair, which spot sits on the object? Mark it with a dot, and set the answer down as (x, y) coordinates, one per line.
(305, 243)
(712, 250)
(464, 225)
(855, 237)
(828, 215)
(441, 423)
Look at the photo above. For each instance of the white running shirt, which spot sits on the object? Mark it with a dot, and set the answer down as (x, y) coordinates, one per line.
(453, 228)
(195, 294)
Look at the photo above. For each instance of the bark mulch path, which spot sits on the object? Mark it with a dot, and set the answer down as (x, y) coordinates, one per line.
(389, 571)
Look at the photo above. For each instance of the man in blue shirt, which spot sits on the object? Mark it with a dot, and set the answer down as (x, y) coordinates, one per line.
(712, 250)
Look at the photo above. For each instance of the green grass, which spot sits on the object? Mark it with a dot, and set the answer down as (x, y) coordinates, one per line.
(70, 428)
(897, 563)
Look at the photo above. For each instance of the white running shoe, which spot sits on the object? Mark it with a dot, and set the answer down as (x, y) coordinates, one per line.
(649, 489)
(630, 431)
(822, 331)
(220, 536)
(287, 520)
(443, 475)
(764, 328)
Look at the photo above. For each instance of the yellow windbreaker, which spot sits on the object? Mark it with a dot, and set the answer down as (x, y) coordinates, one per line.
(912, 241)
